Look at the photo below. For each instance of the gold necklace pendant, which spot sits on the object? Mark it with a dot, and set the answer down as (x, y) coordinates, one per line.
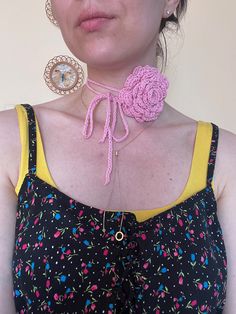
(119, 235)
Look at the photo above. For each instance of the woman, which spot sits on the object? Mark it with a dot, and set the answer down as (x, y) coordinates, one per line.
(106, 242)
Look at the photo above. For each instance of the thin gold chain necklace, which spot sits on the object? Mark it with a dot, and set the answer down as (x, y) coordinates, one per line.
(119, 234)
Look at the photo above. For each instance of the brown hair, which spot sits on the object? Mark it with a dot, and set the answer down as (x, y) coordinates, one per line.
(173, 20)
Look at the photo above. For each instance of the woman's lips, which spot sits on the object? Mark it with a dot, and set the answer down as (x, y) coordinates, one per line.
(94, 23)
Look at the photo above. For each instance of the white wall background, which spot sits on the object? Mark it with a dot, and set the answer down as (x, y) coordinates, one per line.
(201, 67)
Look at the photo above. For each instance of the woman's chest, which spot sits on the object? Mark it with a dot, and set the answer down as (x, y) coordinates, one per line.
(143, 176)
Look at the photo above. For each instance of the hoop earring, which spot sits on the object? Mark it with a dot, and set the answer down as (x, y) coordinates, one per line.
(48, 9)
(63, 75)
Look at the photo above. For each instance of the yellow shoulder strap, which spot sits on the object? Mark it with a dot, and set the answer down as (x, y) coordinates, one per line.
(201, 157)
(42, 170)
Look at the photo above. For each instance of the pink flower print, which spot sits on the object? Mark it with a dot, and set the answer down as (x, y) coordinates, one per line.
(37, 294)
(71, 295)
(48, 283)
(105, 252)
(109, 293)
(225, 262)
(36, 221)
(162, 294)
(181, 280)
(201, 235)
(180, 222)
(72, 203)
(93, 306)
(94, 287)
(27, 268)
(143, 236)
(81, 213)
(210, 221)
(56, 296)
(33, 201)
(203, 307)
(21, 226)
(194, 302)
(145, 265)
(57, 234)
(24, 246)
(177, 305)
(200, 286)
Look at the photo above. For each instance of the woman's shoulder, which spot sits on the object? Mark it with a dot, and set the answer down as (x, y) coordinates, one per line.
(9, 141)
(226, 159)
(8, 127)
(227, 147)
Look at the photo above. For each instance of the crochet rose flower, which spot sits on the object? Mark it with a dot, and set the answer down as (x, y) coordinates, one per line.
(143, 94)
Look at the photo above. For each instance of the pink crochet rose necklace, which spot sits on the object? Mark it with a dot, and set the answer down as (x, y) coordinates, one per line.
(142, 98)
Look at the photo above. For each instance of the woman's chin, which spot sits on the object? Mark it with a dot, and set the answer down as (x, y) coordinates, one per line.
(99, 59)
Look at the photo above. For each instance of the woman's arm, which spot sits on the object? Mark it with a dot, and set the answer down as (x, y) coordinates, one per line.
(226, 209)
(8, 203)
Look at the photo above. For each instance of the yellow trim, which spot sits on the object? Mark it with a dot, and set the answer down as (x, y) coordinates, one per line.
(23, 139)
(196, 181)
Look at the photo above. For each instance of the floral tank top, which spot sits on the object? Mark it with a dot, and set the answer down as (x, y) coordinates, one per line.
(63, 262)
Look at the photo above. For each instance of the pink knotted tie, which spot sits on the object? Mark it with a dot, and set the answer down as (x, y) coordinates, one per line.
(142, 98)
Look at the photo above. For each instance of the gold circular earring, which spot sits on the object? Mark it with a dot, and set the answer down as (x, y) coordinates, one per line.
(48, 9)
(63, 75)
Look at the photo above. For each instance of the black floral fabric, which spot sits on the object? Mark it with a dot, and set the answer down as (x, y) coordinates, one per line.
(63, 262)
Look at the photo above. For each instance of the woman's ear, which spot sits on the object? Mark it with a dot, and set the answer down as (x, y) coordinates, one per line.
(170, 7)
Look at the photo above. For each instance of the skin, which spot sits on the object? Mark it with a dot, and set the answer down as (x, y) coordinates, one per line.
(136, 25)
(110, 55)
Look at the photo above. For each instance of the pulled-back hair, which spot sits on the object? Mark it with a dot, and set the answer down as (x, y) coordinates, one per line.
(173, 20)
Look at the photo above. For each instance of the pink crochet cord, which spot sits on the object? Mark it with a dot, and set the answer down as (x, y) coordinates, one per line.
(142, 98)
